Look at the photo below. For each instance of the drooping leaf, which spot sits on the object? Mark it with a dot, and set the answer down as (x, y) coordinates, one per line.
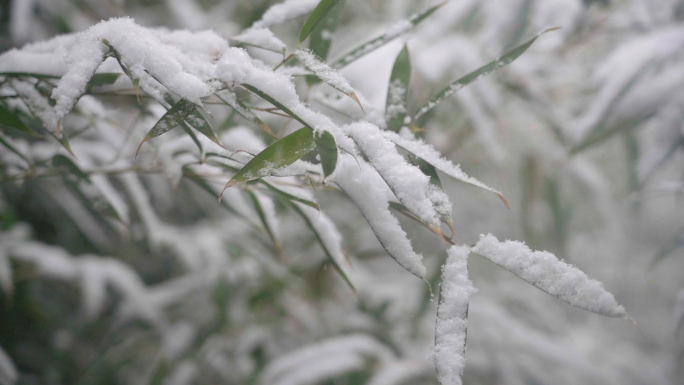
(276, 103)
(197, 120)
(506, 59)
(323, 71)
(326, 247)
(11, 120)
(285, 195)
(327, 149)
(316, 17)
(229, 98)
(68, 165)
(10, 147)
(545, 272)
(172, 118)
(102, 79)
(280, 154)
(264, 219)
(392, 33)
(398, 91)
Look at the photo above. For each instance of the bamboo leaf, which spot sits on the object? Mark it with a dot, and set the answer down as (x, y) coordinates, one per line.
(398, 91)
(390, 34)
(172, 118)
(331, 254)
(316, 17)
(102, 79)
(264, 220)
(280, 154)
(198, 121)
(285, 195)
(330, 76)
(9, 119)
(545, 272)
(321, 36)
(327, 149)
(506, 59)
(229, 97)
(276, 103)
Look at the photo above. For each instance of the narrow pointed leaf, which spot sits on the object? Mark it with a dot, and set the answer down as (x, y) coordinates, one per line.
(9, 119)
(321, 36)
(327, 149)
(454, 87)
(199, 122)
(335, 256)
(390, 34)
(544, 271)
(276, 103)
(323, 71)
(316, 17)
(229, 98)
(172, 118)
(264, 220)
(398, 91)
(285, 195)
(102, 79)
(280, 154)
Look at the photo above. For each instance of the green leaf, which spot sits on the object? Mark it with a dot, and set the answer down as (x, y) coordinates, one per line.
(398, 91)
(102, 79)
(264, 220)
(321, 36)
(328, 253)
(66, 164)
(389, 35)
(199, 122)
(28, 75)
(276, 103)
(280, 154)
(231, 100)
(506, 59)
(327, 149)
(172, 118)
(288, 196)
(316, 17)
(9, 119)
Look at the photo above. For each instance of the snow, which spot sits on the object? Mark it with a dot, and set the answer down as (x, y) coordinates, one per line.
(262, 38)
(557, 278)
(323, 71)
(396, 100)
(38, 105)
(418, 147)
(407, 182)
(358, 181)
(452, 317)
(282, 12)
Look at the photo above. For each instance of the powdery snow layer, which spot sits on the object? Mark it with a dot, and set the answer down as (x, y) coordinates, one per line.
(407, 182)
(142, 51)
(323, 71)
(452, 321)
(282, 12)
(369, 194)
(543, 270)
(262, 38)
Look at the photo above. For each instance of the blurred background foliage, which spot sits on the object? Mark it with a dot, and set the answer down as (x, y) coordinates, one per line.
(583, 134)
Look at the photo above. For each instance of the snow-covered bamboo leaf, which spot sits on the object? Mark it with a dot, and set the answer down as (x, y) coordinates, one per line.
(326, 234)
(428, 154)
(390, 34)
(320, 38)
(398, 91)
(544, 271)
(102, 79)
(172, 118)
(452, 317)
(506, 59)
(327, 149)
(261, 38)
(197, 120)
(323, 71)
(316, 17)
(368, 191)
(280, 154)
